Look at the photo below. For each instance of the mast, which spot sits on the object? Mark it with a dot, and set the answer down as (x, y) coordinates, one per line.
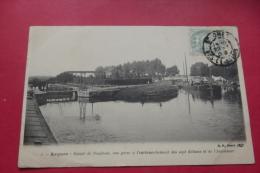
(186, 68)
(183, 69)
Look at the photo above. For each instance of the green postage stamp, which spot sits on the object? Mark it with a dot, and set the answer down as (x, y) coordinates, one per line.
(196, 40)
(220, 47)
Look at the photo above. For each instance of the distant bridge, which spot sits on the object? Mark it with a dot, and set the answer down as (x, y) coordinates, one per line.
(42, 84)
(80, 72)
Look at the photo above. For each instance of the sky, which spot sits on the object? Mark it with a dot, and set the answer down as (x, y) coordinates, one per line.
(53, 50)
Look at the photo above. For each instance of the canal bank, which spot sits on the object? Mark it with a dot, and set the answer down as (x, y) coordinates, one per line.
(147, 92)
(37, 131)
(157, 91)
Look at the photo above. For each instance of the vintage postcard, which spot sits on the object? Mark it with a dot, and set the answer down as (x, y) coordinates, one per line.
(100, 96)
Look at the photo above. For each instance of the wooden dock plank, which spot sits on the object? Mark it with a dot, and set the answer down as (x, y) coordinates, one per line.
(35, 134)
(30, 112)
(31, 115)
(36, 119)
(31, 141)
(30, 109)
(32, 123)
(36, 131)
(36, 128)
(30, 103)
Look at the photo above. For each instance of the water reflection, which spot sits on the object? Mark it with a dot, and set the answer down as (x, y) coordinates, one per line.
(189, 116)
(232, 94)
(83, 109)
(228, 93)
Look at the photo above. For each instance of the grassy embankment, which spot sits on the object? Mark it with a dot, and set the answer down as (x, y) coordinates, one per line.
(149, 91)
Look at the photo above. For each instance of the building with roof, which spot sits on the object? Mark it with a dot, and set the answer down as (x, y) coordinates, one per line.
(114, 73)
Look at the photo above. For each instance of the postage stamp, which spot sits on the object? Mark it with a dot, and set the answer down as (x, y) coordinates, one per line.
(221, 48)
(196, 40)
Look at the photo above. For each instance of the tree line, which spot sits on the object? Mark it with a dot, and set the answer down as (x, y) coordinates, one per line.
(204, 70)
(138, 69)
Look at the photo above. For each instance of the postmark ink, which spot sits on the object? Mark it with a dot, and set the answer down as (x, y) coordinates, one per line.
(221, 48)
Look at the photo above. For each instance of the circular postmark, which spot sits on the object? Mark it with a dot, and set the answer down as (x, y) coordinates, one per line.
(221, 48)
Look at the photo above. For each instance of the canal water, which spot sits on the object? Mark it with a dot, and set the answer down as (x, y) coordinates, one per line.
(190, 116)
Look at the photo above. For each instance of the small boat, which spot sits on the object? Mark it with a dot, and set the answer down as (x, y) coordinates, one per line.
(202, 88)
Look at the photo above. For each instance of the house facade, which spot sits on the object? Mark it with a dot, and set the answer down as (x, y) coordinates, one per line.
(114, 73)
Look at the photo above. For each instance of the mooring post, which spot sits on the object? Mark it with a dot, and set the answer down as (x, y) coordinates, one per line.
(76, 94)
(211, 89)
